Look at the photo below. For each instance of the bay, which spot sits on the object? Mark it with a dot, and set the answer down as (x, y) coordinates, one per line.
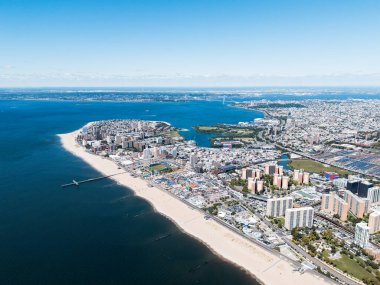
(99, 233)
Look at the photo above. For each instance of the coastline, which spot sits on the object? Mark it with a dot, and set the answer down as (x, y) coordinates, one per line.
(264, 266)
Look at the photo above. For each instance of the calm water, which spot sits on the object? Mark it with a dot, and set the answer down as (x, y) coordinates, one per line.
(284, 162)
(101, 234)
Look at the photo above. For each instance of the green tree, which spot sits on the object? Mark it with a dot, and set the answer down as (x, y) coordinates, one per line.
(327, 234)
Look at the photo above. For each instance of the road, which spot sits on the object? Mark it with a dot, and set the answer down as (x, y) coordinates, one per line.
(297, 264)
(316, 262)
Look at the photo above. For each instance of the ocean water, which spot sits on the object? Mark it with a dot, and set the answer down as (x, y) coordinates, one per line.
(99, 233)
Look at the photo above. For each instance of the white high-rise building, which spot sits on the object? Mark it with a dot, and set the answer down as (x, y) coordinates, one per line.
(156, 152)
(118, 140)
(146, 154)
(299, 217)
(109, 139)
(362, 234)
(374, 194)
(159, 140)
(193, 160)
(174, 152)
(277, 206)
(340, 182)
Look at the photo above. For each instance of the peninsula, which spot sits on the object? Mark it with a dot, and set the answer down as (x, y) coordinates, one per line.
(156, 160)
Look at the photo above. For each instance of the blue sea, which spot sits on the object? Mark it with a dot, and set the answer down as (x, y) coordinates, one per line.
(99, 233)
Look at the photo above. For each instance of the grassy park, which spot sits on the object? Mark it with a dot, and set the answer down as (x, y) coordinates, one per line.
(315, 167)
(354, 268)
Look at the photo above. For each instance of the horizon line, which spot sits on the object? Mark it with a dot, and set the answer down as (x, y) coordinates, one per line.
(195, 87)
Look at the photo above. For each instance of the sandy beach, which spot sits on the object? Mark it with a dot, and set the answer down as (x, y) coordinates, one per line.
(267, 267)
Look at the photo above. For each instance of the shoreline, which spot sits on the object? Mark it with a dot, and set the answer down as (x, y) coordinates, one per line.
(264, 266)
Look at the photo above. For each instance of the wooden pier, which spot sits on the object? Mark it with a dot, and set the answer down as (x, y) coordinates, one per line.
(77, 183)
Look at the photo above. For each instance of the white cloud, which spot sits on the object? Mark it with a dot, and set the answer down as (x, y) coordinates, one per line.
(6, 67)
(13, 79)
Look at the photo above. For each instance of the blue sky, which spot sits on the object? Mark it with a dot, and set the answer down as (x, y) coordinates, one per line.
(189, 43)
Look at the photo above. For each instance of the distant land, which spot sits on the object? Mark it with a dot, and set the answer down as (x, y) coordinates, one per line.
(140, 94)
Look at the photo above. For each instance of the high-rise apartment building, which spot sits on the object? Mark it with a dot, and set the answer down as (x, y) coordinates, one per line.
(361, 234)
(277, 206)
(358, 206)
(374, 194)
(334, 205)
(374, 222)
(299, 217)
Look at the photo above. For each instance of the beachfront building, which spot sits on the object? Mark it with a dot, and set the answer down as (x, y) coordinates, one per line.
(361, 235)
(334, 205)
(358, 206)
(299, 217)
(276, 207)
(374, 222)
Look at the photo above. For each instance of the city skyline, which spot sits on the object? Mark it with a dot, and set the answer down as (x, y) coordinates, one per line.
(190, 142)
